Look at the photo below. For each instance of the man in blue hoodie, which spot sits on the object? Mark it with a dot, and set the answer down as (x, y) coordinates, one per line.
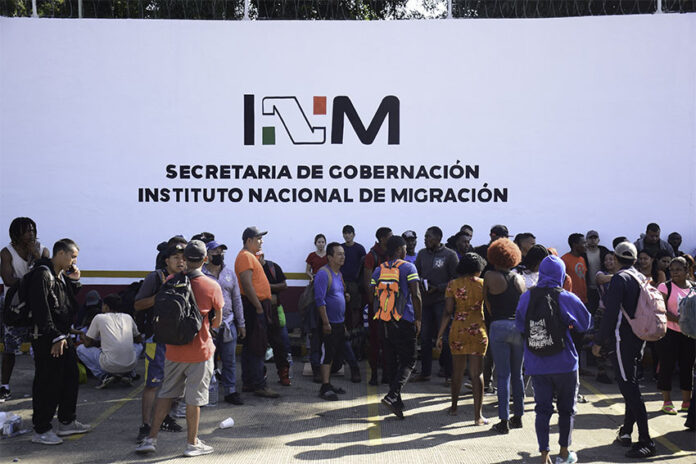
(554, 372)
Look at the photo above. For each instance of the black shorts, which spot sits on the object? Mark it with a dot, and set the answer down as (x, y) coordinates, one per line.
(332, 343)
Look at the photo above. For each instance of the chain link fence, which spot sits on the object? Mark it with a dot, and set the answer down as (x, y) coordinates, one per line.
(337, 9)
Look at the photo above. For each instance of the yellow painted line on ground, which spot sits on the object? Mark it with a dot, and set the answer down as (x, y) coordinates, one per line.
(106, 414)
(615, 406)
(375, 431)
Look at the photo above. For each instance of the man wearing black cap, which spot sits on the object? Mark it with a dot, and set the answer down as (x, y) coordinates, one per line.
(154, 361)
(188, 368)
(411, 241)
(256, 300)
(232, 317)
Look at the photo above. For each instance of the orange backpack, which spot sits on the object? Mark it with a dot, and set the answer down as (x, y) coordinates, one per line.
(389, 300)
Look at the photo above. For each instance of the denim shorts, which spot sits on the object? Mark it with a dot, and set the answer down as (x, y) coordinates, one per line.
(14, 337)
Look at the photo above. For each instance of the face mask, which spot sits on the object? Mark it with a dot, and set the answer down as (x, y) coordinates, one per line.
(217, 260)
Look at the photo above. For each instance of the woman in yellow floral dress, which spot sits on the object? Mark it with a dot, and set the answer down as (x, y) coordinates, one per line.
(468, 339)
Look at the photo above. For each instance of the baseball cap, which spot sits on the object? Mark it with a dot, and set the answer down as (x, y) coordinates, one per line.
(195, 250)
(251, 232)
(93, 298)
(626, 250)
(500, 230)
(591, 233)
(213, 245)
(174, 249)
(409, 234)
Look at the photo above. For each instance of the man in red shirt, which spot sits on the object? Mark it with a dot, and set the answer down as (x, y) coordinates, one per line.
(576, 265)
(189, 368)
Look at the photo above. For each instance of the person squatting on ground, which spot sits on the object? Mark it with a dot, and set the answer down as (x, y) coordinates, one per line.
(225, 338)
(16, 259)
(189, 368)
(112, 344)
(468, 339)
(436, 265)
(398, 313)
(502, 289)
(544, 315)
(52, 292)
(618, 342)
(330, 299)
(174, 262)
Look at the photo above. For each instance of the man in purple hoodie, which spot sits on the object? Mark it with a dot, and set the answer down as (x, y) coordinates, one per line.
(549, 354)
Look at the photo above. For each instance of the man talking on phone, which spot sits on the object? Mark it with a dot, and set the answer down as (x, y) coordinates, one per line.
(52, 291)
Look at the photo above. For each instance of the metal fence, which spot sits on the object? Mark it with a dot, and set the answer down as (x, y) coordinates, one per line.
(336, 9)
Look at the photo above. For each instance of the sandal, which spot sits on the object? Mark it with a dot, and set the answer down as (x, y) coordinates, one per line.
(668, 408)
(685, 406)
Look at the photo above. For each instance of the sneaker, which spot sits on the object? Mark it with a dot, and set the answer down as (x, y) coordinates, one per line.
(284, 377)
(515, 422)
(107, 380)
(5, 394)
(143, 433)
(489, 390)
(127, 380)
(72, 428)
(266, 392)
(328, 394)
(641, 450)
(685, 406)
(198, 449)
(392, 403)
(337, 390)
(571, 459)
(623, 439)
(148, 445)
(170, 425)
(501, 427)
(668, 408)
(581, 399)
(47, 438)
(234, 398)
(602, 377)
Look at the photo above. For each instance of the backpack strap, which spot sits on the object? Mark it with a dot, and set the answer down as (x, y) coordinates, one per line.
(196, 273)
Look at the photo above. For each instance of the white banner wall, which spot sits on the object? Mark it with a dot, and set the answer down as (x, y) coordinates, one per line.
(558, 125)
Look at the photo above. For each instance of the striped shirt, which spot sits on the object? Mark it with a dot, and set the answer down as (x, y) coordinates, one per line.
(407, 274)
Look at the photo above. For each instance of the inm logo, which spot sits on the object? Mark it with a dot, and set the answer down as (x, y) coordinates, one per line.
(288, 113)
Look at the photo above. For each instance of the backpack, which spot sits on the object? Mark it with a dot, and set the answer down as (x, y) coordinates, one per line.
(143, 319)
(306, 304)
(176, 318)
(389, 299)
(16, 310)
(687, 314)
(544, 329)
(650, 319)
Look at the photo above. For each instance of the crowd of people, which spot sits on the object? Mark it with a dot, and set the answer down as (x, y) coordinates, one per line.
(505, 309)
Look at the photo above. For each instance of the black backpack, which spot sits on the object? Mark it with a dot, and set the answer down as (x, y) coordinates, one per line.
(143, 319)
(544, 329)
(16, 310)
(176, 318)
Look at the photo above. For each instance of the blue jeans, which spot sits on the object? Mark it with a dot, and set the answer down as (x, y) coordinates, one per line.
(228, 356)
(508, 348)
(432, 314)
(90, 358)
(566, 387)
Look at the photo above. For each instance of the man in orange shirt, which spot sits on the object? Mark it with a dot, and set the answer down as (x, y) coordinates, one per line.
(576, 265)
(189, 368)
(256, 299)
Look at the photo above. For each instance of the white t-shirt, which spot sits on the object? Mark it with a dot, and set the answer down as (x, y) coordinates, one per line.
(594, 265)
(116, 332)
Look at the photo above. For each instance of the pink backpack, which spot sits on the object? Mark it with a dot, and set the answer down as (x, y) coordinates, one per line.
(650, 320)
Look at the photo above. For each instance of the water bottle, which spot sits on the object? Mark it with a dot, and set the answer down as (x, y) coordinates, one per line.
(213, 391)
(290, 365)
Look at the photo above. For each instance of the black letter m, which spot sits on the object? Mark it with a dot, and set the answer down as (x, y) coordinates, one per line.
(343, 106)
